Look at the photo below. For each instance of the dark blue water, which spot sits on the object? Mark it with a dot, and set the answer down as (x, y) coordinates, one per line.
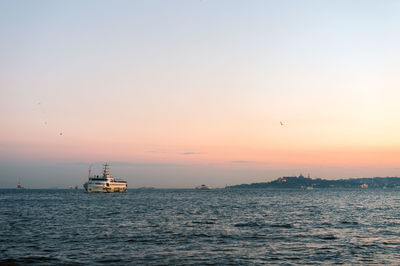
(360, 226)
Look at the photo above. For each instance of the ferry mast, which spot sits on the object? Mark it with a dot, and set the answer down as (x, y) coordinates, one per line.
(106, 172)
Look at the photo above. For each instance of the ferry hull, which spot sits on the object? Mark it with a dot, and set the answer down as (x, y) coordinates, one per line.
(101, 188)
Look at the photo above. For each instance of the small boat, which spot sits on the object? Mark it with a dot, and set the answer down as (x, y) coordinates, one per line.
(105, 183)
(203, 187)
(19, 185)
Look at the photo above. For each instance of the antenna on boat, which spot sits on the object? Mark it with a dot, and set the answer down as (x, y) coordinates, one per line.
(90, 170)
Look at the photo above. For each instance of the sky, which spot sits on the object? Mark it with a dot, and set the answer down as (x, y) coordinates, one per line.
(175, 94)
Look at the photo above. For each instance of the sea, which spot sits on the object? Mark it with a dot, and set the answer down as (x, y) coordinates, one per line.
(192, 227)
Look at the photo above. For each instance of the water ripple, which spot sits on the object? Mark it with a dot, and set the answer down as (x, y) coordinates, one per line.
(287, 227)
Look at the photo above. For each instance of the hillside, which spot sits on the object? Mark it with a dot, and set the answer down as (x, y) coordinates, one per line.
(306, 182)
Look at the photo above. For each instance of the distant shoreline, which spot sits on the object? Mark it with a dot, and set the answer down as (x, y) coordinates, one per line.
(309, 183)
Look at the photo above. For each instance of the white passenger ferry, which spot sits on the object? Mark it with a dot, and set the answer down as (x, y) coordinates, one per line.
(105, 183)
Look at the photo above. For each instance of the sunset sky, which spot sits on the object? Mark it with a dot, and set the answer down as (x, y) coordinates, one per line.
(181, 93)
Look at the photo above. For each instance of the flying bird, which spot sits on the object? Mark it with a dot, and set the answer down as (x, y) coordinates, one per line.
(282, 124)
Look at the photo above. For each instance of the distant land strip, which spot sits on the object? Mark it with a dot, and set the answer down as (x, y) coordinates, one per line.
(310, 183)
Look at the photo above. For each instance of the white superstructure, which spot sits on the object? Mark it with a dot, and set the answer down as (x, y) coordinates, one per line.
(105, 183)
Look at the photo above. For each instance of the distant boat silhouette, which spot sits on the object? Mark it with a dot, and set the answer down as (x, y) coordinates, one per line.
(203, 187)
(19, 185)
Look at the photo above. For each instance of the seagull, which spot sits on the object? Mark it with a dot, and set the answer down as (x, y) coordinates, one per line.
(282, 124)
(60, 133)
